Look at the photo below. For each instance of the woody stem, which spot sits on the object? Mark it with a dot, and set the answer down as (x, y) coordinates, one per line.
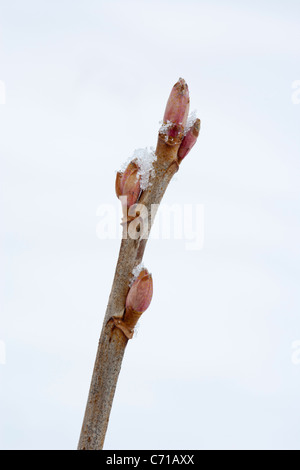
(113, 340)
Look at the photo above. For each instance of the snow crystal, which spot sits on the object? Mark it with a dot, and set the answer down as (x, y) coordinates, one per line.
(165, 126)
(136, 329)
(144, 159)
(137, 270)
(190, 121)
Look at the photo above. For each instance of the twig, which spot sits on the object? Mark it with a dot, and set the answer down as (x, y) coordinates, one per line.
(120, 318)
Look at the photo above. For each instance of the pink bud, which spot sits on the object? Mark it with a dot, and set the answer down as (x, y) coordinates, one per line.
(189, 140)
(177, 108)
(140, 293)
(128, 184)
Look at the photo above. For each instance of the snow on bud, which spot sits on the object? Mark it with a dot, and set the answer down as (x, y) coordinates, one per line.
(128, 184)
(140, 293)
(189, 140)
(177, 108)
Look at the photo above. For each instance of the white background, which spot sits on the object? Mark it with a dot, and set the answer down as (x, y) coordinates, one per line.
(86, 84)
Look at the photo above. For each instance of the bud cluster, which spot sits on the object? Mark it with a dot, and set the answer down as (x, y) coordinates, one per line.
(173, 129)
(176, 129)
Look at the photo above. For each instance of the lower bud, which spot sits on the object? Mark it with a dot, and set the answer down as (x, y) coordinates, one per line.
(140, 294)
(189, 140)
(128, 184)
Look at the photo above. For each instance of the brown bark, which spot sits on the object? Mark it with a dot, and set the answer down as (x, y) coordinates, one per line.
(114, 339)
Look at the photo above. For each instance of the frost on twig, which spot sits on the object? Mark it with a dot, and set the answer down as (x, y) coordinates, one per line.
(165, 128)
(136, 272)
(144, 160)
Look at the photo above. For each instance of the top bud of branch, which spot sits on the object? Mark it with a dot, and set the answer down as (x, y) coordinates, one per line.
(178, 104)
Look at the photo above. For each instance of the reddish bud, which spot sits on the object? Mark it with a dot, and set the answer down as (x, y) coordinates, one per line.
(189, 140)
(128, 184)
(177, 108)
(140, 293)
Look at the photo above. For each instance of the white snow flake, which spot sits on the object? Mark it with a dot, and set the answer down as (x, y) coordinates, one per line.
(144, 159)
(190, 121)
(136, 271)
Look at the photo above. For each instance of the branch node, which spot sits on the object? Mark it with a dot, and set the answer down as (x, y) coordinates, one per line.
(119, 323)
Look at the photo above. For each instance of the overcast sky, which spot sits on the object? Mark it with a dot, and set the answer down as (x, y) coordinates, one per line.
(215, 362)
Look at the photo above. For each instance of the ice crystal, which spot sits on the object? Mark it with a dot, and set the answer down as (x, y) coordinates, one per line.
(190, 121)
